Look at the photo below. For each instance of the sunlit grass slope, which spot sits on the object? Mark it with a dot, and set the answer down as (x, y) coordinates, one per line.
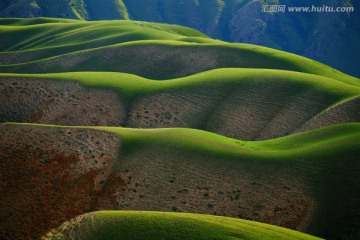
(133, 86)
(308, 144)
(46, 37)
(161, 225)
(156, 51)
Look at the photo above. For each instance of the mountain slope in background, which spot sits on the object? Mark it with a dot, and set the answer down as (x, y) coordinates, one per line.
(331, 38)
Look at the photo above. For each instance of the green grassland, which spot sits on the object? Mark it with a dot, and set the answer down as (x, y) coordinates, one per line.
(162, 225)
(156, 51)
(32, 21)
(130, 58)
(307, 144)
(314, 35)
(47, 37)
(30, 34)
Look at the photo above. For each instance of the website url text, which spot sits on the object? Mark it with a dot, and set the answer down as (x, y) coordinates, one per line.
(312, 9)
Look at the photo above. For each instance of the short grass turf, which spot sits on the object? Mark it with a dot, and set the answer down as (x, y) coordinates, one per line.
(52, 34)
(161, 225)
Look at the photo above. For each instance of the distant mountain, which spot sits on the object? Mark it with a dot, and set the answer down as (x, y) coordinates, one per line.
(331, 38)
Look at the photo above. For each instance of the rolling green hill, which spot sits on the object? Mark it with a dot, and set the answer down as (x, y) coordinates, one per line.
(127, 115)
(329, 38)
(237, 103)
(306, 181)
(148, 50)
(39, 33)
(154, 225)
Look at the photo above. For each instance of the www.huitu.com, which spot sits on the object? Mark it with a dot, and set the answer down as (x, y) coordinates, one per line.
(308, 9)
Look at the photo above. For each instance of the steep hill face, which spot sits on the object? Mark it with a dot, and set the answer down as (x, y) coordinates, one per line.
(306, 182)
(306, 34)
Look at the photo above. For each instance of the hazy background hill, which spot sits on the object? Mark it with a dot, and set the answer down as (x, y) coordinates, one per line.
(332, 38)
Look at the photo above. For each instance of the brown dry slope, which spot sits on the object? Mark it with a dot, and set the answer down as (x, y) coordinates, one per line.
(253, 110)
(66, 103)
(347, 111)
(49, 175)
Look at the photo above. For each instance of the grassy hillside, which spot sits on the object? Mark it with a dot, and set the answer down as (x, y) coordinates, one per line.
(306, 182)
(148, 50)
(243, 21)
(133, 86)
(34, 34)
(205, 127)
(300, 144)
(192, 140)
(155, 225)
(237, 103)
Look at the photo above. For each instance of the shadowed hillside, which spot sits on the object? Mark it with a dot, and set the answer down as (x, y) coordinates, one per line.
(306, 182)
